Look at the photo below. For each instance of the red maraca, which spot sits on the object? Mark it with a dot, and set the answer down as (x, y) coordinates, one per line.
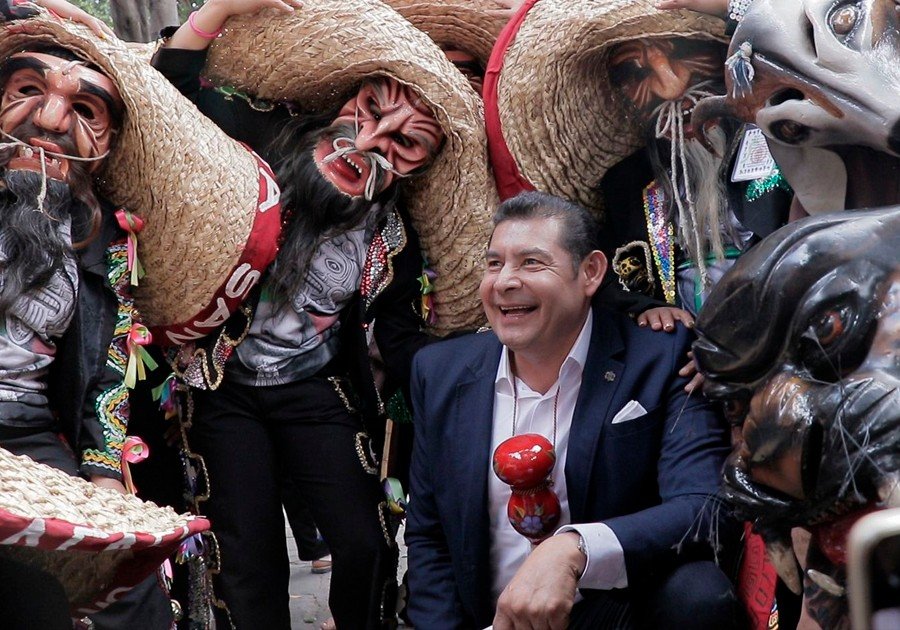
(525, 463)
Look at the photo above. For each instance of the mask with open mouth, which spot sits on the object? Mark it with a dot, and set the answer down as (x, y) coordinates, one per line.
(390, 133)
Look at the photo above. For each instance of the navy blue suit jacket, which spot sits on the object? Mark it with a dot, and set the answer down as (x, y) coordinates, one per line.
(648, 479)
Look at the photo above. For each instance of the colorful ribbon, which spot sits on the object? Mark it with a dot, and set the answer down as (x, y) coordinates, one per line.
(165, 394)
(191, 548)
(138, 357)
(132, 224)
(133, 451)
(427, 288)
(396, 497)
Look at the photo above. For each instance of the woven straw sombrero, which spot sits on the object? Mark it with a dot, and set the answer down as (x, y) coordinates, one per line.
(462, 24)
(197, 190)
(93, 540)
(318, 55)
(559, 116)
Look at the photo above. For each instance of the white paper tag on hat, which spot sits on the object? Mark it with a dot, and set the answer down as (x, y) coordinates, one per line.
(754, 161)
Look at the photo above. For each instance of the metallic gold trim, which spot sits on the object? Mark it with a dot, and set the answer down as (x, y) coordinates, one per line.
(385, 527)
(370, 467)
(337, 383)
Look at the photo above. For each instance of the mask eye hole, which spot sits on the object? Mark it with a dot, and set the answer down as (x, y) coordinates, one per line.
(835, 341)
(735, 409)
(844, 19)
(830, 326)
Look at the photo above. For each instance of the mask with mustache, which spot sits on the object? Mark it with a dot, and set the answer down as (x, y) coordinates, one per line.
(316, 209)
(692, 178)
(33, 210)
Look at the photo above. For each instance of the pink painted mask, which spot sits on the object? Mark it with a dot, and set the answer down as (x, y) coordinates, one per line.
(386, 132)
(70, 105)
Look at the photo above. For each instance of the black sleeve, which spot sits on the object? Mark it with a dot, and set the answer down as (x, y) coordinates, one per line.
(233, 114)
(613, 296)
(398, 330)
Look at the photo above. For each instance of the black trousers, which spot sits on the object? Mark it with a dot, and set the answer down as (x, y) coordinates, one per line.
(310, 546)
(144, 607)
(250, 437)
(695, 595)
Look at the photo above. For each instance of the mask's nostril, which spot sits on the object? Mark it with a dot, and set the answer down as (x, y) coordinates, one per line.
(783, 96)
(894, 138)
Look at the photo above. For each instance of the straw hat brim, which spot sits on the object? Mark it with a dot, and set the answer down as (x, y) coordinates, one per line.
(196, 189)
(92, 539)
(320, 53)
(559, 115)
(463, 24)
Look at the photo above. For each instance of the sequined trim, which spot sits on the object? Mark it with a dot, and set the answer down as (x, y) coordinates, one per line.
(759, 187)
(338, 384)
(112, 405)
(256, 104)
(364, 453)
(197, 488)
(378, 270)
(398, 410)
(384, 518)
(662, 238)
(205, 369)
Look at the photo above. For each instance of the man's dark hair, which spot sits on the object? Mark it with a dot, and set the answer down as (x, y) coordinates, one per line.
(580, 229)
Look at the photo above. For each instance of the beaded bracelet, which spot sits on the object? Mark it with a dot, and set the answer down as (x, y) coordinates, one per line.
(201, 33)
(737, 9)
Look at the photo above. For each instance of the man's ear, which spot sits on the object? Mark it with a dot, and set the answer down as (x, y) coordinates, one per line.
(593, 269)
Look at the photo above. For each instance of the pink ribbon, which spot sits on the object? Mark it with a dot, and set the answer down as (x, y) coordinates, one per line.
(133, 451)
(132, 224)
(138, 357)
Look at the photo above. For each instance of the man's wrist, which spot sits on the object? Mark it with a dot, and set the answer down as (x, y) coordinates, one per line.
(578, 557)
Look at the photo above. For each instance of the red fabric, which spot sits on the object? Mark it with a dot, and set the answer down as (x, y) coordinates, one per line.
(756, 580)
(149, 550)
(509, 180)
(260, 251)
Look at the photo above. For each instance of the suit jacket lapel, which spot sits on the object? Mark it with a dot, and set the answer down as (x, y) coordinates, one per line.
(599, 381)
(473, 425)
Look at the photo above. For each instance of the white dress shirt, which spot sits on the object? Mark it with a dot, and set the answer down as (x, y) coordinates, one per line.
(605, 568)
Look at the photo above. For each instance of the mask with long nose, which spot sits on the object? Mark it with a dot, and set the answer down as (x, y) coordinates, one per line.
(394, 134)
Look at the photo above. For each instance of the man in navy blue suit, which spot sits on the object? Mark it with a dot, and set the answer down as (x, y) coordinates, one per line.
(637, 458)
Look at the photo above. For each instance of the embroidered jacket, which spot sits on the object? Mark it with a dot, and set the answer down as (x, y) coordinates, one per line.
(87, 389)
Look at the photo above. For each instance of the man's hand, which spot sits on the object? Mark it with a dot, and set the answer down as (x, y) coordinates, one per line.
(68, 11)
(542, 592)
(109, 482)
(212, 15)
(717, 8)
(664, 318)
(248, 7)
(61, 8)
(690, 371)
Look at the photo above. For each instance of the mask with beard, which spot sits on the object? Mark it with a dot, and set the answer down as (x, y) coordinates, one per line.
(33, 241)
(33, 210)
(691, 177)
(316, 209)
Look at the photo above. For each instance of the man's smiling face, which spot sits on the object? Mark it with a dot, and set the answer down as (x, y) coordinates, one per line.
(535, 296)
